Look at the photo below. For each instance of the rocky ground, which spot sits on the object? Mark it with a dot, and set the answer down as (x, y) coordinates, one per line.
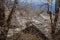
(22, 18)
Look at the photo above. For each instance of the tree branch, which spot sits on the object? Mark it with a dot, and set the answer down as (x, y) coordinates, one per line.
(7, 23)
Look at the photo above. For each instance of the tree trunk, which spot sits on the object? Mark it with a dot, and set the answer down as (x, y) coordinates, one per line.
(5, 24)
(2, 12)
(55, 19)
(2, 17)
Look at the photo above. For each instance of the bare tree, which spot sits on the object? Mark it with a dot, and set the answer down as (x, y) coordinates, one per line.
(54, 22)
(5, 26)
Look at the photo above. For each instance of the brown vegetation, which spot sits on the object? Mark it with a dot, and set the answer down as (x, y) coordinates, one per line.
(29, 32)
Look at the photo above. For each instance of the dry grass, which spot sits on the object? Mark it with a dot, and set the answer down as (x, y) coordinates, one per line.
(28, 36)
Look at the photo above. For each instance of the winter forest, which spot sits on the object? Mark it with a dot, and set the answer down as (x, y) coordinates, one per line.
(29, 19)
